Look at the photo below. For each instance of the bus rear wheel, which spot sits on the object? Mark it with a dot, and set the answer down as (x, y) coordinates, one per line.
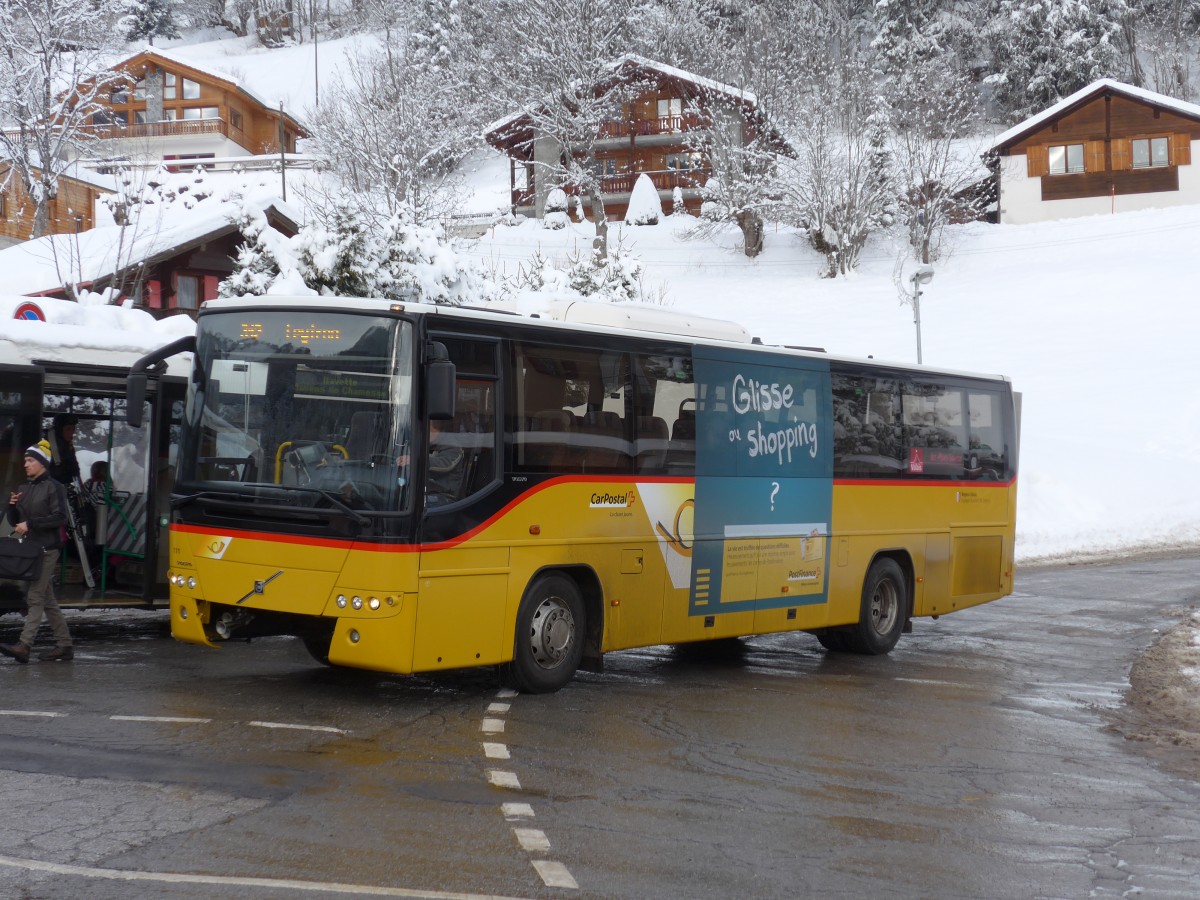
(551, 625)
(883, 612)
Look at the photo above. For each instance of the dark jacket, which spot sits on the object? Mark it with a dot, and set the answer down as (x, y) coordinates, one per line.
(43, 505)
(65, 465)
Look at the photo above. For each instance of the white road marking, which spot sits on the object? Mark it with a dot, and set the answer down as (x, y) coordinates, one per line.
(499, 707)
(495, 751)
(184, 720)
(328, 887)
(493, 726)
(532, 840)
(504, 779)
(517, 810)
(555, 874)
(291, 727)
(30, 712)
(506, 693)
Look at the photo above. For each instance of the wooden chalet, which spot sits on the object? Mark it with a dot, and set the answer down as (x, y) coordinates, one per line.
(166, 110)
(174, 110)
(1107, 148)
(72, 210)
(656, 134)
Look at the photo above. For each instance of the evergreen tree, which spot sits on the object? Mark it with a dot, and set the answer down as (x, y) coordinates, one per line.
(1044, 50)
(148, 19)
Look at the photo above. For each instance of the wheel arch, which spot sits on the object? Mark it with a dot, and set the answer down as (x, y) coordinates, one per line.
(901, 557)
(592, 593)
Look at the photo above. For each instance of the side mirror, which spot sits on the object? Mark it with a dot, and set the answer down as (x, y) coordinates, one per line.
(135, 398)
(440, 377)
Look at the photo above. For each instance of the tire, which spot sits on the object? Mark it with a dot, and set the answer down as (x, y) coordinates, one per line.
(551, 625)
(317, 646)
(832, 640)
(884, 610)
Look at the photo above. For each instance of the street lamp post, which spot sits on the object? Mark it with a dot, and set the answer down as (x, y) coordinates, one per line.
(923, 275)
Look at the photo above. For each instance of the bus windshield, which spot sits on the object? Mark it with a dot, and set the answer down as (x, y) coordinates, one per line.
(315, 407)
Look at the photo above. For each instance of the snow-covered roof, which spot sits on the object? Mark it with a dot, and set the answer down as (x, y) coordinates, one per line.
(1104, 84)
(44, 264)
(707, 84)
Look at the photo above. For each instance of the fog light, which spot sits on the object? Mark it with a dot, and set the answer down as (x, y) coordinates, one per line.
(183, 612)
(356, 602)
(191, 583)
(341, 601)
(354, 637)
(373, 603)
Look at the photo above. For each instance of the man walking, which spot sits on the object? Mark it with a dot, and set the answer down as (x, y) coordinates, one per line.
(38, 513)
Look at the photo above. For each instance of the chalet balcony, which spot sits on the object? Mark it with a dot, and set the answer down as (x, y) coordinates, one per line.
(644, 127)
(176, 128)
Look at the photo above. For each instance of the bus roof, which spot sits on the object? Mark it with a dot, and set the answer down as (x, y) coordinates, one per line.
(634, 319)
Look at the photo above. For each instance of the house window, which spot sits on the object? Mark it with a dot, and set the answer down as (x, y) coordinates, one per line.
(187, 292)
(119, 96)
(683, 162)
(672, 107)
(191, 89)
(606, 168)
(1149, 152)
(235, 119)
(1066, 159)
(3, 206)
(201, 112)
(139, 89)
(168, 86)
(139, 117)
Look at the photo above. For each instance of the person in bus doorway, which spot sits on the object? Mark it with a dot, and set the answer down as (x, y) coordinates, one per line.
(443, 483)
(64, 466)
(38, 512)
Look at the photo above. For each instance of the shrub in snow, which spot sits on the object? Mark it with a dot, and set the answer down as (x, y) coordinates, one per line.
(644, 206)
(712, 203)
(578, 209)
(615, 278)
(556, 217)
(677, 207)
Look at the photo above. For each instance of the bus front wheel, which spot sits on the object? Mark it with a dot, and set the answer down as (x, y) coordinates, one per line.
(550, 631)
(883, 612)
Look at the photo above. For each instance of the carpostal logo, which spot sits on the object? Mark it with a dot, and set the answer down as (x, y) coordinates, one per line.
(613, 501)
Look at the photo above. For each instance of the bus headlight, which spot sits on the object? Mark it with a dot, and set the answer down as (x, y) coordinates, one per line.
(356, 602)
(373, 603)
(341, 601)
(191, 582)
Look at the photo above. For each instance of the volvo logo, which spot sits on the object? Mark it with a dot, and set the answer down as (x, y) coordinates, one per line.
(260, 587)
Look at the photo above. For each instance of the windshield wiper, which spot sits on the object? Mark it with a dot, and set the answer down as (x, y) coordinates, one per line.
(238, 497)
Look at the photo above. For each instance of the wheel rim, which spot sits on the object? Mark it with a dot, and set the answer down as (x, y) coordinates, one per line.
(885, 607)
(551, 633)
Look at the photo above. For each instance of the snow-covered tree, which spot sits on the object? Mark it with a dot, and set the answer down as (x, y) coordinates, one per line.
(148, 19)
(53, 74)
(344, 252)
(1043, 50)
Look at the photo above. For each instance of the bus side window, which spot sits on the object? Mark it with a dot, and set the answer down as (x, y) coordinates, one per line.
(866, 439)
(664, 410)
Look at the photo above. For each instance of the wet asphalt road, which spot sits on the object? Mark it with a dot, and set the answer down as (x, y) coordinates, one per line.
(975, 761)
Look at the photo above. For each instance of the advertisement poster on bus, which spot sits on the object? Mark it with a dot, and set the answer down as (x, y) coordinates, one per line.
(764, 488)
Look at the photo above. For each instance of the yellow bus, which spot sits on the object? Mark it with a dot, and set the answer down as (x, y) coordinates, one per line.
(409, 488)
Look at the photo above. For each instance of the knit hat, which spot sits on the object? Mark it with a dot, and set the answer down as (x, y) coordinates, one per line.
(41, 452)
